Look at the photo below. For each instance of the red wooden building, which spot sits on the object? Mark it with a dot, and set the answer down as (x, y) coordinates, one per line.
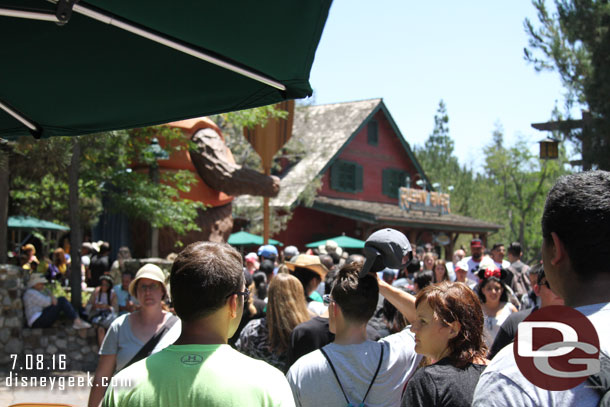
(362, 159)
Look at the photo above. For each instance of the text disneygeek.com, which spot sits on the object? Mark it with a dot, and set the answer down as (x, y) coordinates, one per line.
(62, 382)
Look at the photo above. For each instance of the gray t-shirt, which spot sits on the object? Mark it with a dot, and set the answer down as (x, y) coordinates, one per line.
(121, 341)
(313, 383)
(502, 384)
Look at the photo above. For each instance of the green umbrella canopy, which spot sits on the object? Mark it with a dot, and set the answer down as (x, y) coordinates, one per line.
(88, 76)
(244, 239)
(28, 222)
(344, 242)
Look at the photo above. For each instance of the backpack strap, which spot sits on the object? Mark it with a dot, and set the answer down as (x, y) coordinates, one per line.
(601, 380)
(148, 347)
(375, 376)
(339, 381)
(336, 377)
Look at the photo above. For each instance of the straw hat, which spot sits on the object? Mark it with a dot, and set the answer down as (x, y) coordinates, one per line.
(36, 278)
(309, 262)
(149, 271)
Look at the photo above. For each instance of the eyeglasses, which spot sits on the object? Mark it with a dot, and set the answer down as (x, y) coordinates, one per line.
(245, 294)
(149, 287)
(545, 283)
(327, 299)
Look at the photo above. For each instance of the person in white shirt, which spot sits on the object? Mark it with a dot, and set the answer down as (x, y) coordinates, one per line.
(497, 254)
(575, 252)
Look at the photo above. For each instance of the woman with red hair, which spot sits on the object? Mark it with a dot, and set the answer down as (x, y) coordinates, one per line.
(449, 333)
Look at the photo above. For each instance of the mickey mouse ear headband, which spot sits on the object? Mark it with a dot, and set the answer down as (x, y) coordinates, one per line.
(487, 272)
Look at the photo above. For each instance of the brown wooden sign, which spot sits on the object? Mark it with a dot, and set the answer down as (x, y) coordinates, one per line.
(268, 140)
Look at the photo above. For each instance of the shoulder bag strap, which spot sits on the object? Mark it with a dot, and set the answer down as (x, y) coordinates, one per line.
(336, 377)
(148, 347)
(374, 377)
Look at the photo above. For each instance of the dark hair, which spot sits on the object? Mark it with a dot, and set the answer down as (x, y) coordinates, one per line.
(305, 276)
(456, 302)
(485, 281)
(329, 280)
(355, 258)
(104, 247)
(515, 249)
(496, 245)
(260, 284)
(423, 278)
(445, 275)
(266, 267)
(357, 297)
(203, 275)
(577, 209)
(327, 260)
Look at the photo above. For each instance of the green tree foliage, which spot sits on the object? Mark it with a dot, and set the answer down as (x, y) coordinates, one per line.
(510, 190)
(517, 183)
(574, 41)
(39, 184)
(437, 157)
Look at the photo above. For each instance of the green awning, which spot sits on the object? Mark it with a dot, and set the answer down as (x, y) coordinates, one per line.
(245, 239)
(344, 242)
(88, 76)
(28, 222)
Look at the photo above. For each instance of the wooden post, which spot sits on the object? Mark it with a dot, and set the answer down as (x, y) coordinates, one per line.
(267, 141)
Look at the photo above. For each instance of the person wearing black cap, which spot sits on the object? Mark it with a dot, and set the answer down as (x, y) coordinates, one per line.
(349, 370)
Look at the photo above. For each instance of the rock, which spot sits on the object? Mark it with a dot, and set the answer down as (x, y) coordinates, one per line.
(85, 350)
(44, 340)
(12, 322)
(4, 335)
(1, 322)
(75, 356)
(61, 343)
(13, 346)
(11, 284)
(51, 350)
(6, 301)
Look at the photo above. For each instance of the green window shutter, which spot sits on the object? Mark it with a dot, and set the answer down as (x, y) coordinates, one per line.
(335, 171)
(359, 177)
(385, 181)
(373, 132)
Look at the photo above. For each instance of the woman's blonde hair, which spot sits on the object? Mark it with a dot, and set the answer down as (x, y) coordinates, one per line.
(286, 309)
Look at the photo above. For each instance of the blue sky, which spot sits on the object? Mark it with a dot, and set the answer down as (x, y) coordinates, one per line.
(412, 54)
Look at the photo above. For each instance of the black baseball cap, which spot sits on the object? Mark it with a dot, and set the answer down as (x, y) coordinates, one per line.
(385, 248)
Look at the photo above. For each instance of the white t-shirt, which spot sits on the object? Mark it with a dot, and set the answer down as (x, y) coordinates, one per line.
(504, 265)
(314, 384)
(502, 384)
(472, 266)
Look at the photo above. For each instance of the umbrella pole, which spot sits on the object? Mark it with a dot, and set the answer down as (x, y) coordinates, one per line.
(266, 209)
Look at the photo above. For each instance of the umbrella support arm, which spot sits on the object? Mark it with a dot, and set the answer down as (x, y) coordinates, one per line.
(35, 130)
(65, 8)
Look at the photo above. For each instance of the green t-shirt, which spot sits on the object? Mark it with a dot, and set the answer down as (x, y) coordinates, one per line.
(316, 297)
(199, 375)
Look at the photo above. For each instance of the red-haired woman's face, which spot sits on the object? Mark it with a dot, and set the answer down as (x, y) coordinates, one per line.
(492, 292)
(431, 335)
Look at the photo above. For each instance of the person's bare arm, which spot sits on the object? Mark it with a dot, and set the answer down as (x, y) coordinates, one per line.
(105, 368)
(403, 301)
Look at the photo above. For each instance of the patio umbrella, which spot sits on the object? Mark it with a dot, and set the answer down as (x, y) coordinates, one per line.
(28, 222)
(344, 242)
(114, 64)
(248, 239)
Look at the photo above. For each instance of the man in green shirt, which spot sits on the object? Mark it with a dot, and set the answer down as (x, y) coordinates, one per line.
(200, 369)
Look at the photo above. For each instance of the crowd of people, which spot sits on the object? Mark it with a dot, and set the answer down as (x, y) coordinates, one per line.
(395, 325)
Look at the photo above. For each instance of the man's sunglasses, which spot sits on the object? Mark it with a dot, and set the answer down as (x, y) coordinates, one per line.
(245, 294)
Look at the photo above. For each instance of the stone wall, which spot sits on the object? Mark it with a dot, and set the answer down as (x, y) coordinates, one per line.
(79, 346)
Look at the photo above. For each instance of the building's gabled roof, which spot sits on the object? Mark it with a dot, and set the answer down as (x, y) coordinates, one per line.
(325, 130)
